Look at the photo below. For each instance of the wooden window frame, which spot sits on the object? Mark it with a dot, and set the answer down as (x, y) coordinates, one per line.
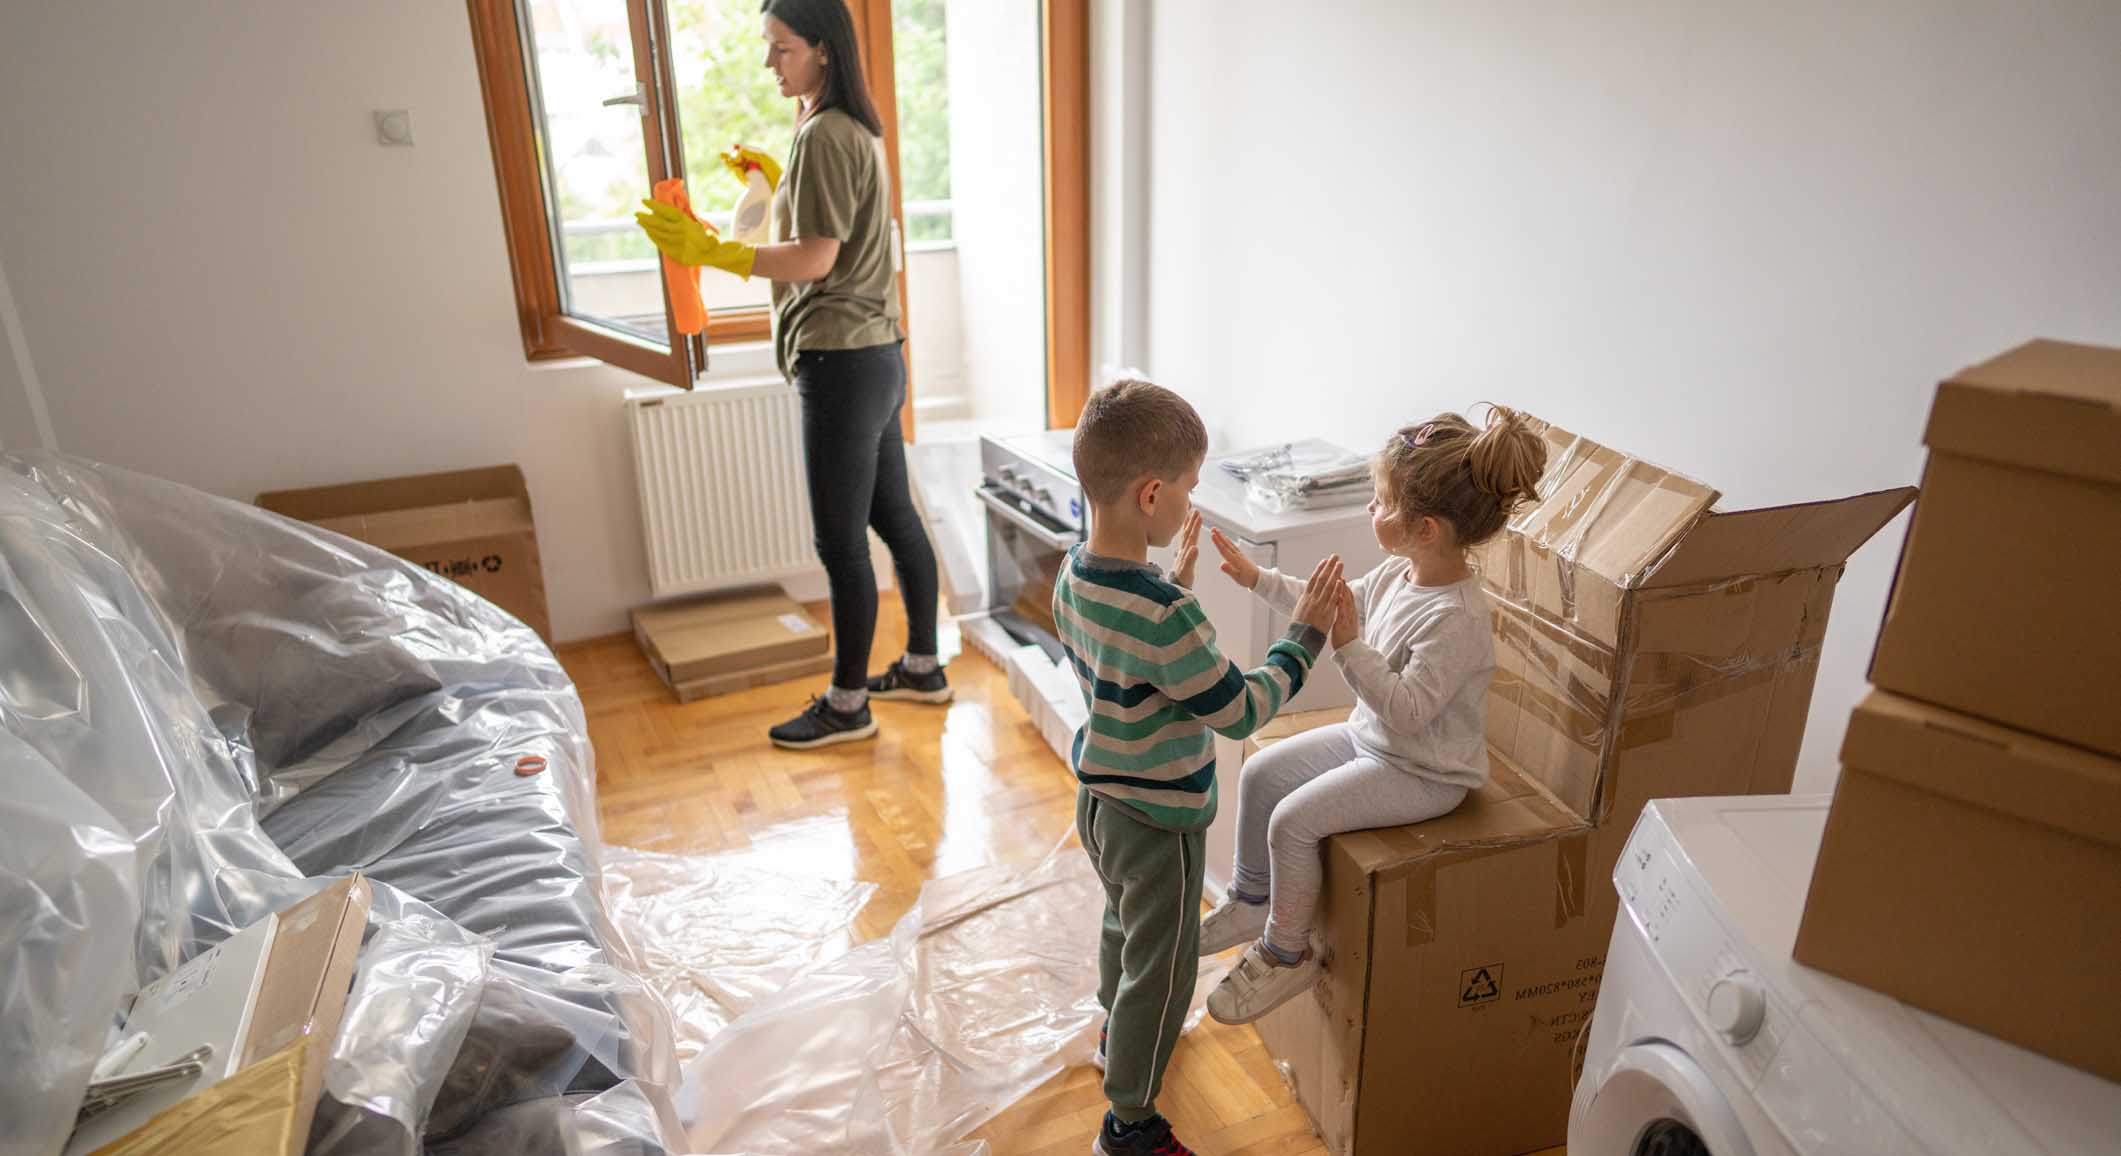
(511, 128)
(549, 334)
(1065, 59)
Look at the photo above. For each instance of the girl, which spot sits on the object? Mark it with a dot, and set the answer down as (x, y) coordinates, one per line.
(837, 338)
(1412, 637)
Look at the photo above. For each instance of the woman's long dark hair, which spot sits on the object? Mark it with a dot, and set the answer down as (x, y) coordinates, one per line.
(826, 22)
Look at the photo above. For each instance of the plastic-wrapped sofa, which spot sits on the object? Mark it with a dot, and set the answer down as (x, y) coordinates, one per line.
(206, 710)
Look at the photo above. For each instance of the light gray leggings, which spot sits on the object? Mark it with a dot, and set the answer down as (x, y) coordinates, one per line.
(1302, 789)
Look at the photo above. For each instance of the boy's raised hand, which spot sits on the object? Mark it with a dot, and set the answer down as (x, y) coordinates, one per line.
(1320, 604)
(1242, 570)
(1188, 549)
(1345, 618)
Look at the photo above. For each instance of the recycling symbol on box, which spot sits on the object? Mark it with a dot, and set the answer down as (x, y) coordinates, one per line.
(1479, 985)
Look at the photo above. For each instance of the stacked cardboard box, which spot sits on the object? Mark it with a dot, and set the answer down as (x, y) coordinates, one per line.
(1647, 646)
(1972, 860)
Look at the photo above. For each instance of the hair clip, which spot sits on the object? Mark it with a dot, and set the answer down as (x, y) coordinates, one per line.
(1421, 436)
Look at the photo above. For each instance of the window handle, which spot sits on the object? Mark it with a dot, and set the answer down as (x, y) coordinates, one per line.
(637, 98)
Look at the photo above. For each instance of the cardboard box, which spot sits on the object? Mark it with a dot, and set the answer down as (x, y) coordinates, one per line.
(2004, 605)
(1647, 646)
(729, 642)
(471, 526)
(1975, 871)
(1462, 964)
(270, 1000)
(1639, 632)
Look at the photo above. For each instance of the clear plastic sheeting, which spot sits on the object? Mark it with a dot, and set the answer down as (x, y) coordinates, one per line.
(244, 706)
(67, 909)
(715, 937)
(906, 1044)
(412, 1004)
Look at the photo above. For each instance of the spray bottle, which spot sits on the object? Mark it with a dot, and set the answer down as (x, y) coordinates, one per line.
(753, 209)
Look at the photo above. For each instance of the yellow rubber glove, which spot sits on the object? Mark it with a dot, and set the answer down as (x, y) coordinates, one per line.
(691, 242)
(741, 157)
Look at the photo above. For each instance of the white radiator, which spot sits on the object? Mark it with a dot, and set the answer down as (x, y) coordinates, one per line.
(723, 500)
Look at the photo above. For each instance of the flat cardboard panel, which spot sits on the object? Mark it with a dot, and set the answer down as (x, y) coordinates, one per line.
(738, 680)
(506, 571)
(1602, 519)
(406, 493)
(2005, 925)
(712, 638)
(1550, 703)
(1777, 538)
(2004, 605)
(398, 530)
(2046, 405)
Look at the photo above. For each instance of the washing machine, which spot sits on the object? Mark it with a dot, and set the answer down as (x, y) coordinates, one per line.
(1708, 1038)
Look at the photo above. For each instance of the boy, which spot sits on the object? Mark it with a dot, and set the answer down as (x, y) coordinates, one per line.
(1155, 685)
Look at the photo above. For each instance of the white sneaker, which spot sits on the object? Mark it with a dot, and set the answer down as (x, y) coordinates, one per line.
(1257, 985)
(1231, 922)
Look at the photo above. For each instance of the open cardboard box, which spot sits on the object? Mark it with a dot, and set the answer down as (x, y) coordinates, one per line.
(473, 527)
(269, 999)
(1647, 646)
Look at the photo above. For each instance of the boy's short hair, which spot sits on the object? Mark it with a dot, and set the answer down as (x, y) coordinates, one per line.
(1134, 429)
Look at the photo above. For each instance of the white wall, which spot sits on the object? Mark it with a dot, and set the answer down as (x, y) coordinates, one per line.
(226, 281)
(997, 198)
(1741, 240)
(23, 421)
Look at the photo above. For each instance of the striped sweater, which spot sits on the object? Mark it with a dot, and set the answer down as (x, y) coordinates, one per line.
(1156, 685)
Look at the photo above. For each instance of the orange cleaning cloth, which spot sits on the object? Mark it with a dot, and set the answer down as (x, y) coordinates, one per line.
(683, 280)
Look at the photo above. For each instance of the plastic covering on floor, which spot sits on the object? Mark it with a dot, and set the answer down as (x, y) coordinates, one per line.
(208, 711)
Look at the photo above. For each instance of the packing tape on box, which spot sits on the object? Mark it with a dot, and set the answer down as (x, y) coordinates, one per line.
(1571, 852)
(1654, 719)
(1571, 876)
(1580, 709)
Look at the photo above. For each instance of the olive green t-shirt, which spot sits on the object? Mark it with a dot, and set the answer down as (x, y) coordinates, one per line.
(836, 185)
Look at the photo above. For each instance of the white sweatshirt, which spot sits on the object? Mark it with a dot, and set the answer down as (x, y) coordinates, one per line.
(1420, 668)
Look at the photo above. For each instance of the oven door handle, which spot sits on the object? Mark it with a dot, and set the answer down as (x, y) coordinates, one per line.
(1025, 522)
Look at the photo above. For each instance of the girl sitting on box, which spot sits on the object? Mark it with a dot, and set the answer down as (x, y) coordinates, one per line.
(1412, 637)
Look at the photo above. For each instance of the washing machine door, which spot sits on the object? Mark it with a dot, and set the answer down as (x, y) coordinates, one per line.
(1654, 1100)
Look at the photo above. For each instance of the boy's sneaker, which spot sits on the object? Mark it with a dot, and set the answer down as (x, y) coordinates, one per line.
(821, 726)
(1233, 921)
(1097, 1058)
(898, 684)
(1151, 1137)
(1258, 985)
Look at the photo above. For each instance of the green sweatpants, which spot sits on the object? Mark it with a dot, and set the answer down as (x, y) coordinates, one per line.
(1150, 953)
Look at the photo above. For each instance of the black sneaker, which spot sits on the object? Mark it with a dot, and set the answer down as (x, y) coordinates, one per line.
(1151, 1137)
(821, 726)
(898, 684)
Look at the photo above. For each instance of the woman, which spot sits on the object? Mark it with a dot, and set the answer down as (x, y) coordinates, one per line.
(837, 338)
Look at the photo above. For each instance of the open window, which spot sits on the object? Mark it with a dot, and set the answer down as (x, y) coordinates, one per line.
(589, 102)
(578, 114)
